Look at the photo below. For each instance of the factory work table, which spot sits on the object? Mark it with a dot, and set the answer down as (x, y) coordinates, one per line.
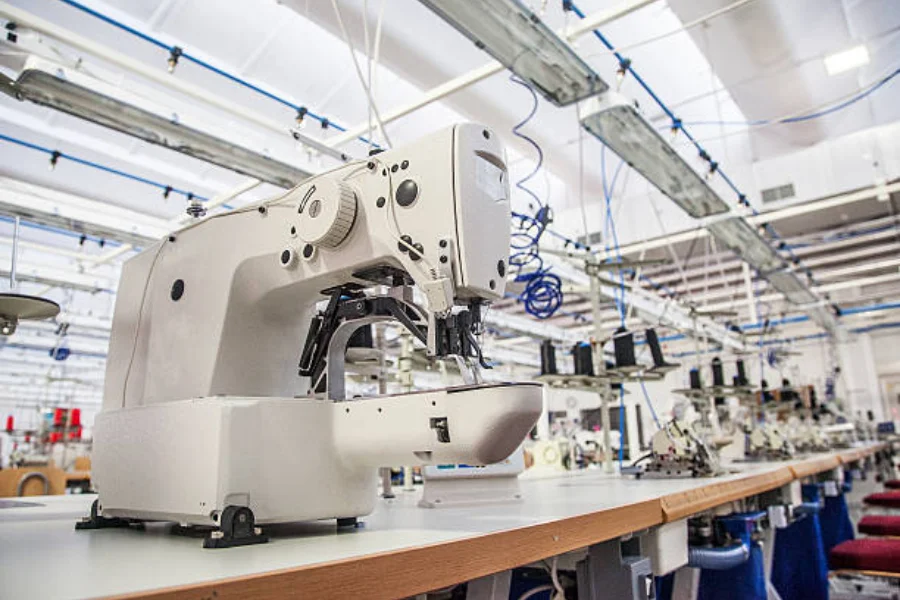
(399, 550)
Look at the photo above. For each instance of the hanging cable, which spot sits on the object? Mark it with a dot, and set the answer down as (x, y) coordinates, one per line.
(517, 131)
(360, 76)
(799, 118)
(542, 295)
(650, 405)
(609, 231)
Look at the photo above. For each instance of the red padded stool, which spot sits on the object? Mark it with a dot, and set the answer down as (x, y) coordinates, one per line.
(879, 525)
(893, 484)
(885, 499)
(868, 554)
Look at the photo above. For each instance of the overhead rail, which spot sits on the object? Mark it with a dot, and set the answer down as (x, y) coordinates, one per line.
(177, 53)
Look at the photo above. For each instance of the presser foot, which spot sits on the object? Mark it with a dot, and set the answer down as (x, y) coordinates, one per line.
(237, 527)
(96, 521)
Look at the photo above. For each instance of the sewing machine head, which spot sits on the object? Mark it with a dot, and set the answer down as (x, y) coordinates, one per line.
(229, 304)
(678, 451)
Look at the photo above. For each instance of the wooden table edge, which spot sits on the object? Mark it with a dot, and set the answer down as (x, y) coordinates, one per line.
(409, 571)
(855, 454)
(683, 504)
(815, 465)
(401, 573)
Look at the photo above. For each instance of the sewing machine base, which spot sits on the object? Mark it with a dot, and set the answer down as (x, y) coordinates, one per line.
(290, 459)
(445, 486)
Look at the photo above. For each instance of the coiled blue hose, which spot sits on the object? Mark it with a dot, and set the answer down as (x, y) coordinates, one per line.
(542, 295)
(518, 133)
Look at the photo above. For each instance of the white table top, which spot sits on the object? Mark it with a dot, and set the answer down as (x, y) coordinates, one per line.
(42, 556)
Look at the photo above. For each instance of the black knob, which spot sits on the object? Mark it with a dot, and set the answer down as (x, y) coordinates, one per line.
(404, 247)
(407, 192)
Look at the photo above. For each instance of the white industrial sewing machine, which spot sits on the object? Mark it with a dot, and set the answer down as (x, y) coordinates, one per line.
(224, 400)
(677, 451)
(766, 441)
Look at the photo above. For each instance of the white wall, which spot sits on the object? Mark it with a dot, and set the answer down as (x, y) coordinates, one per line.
(886, 355)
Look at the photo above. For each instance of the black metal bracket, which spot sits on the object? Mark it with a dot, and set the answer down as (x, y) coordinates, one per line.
(237, 527)
(347, 304)
(96, 521)
(455, 334)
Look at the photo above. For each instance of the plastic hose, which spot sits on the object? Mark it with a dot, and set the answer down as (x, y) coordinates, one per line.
(718, 559)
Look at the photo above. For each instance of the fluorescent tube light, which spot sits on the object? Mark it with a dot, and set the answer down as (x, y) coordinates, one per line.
(614, 121)
(69, 90)
(511, 33)
(745, 241)
(792, 287)
(83, 215)
(839, 62)
(823, 317)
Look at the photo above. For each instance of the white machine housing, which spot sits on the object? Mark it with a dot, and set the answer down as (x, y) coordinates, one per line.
(203, 404)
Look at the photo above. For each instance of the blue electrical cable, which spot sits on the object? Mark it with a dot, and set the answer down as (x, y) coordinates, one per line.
(542, 295)
(42, 350)
(57, 230)
(179, 53)
(808, 117)
(610, 226)
(88, 163)
(650, 404)
(520, 184)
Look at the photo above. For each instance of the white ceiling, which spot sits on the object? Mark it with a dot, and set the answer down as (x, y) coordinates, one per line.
(762, 60)
(769, 57)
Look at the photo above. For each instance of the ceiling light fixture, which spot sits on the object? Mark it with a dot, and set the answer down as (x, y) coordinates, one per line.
(67, 211)
(515, 36)
(614, 121)
(72, 91)
(793, 289)
(746, 242)
(845, 60)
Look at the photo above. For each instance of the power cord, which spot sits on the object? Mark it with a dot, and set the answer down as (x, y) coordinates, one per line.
(542, 295)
